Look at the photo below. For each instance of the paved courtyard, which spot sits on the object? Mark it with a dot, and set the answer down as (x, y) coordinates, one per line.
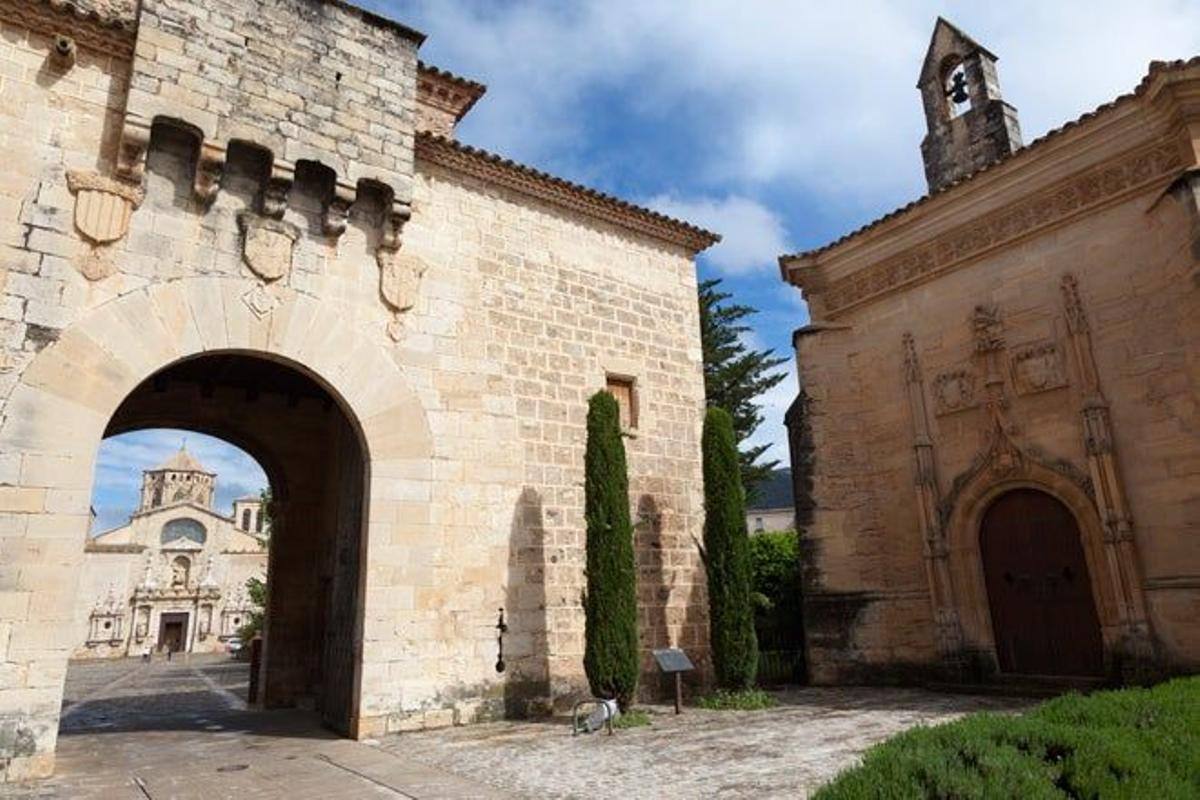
(180, 730)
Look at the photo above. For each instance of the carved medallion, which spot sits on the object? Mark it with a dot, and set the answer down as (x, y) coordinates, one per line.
(399, 279)
(1037, 368)
(954, 390)
(103, 206)
(260, 301)
(267, 245)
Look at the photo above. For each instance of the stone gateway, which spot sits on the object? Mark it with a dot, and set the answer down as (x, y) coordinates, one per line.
(251, 219)
(1001, 385)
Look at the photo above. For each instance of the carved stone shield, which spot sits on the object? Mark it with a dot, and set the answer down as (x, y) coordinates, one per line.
(103, 206)
(1037, 368)
(399, 279)
(267, 245)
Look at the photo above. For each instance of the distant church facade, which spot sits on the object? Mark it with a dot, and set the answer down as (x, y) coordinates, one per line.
(172, 579)
(1000, 383)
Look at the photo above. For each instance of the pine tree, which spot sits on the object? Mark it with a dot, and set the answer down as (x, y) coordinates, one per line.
(735, 375)
(727, 557)
(610, 656)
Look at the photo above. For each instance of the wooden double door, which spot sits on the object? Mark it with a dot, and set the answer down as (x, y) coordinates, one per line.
(1039, 591)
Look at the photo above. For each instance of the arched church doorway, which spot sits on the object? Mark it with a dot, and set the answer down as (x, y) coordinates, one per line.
(1039, 592)
(312, 452)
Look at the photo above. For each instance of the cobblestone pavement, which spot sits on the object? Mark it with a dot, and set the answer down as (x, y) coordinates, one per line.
(179, 730)
(784, 752)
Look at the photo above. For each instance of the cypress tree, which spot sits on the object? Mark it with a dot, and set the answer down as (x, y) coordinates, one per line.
(610, 656)
(727, 557)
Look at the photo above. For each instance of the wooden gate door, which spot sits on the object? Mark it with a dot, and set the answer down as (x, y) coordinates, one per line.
(1043, 613)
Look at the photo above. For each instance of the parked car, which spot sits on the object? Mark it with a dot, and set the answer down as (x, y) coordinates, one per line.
(233, 646)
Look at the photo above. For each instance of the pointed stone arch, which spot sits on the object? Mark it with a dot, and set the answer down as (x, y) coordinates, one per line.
(974, 491)
(57, 414)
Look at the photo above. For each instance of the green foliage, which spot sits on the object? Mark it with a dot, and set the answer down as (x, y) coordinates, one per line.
(743, 700)
(610, 656)
(727, 557)
(268, 511)
(633, 718)
(778, 611)
(256, 590)
(736, 376)
(1130, 743)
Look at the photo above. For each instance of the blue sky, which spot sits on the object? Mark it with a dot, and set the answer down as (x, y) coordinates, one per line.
(780, 124)
(122, 458)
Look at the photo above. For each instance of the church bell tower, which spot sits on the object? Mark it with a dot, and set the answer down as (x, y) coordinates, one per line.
(970, 125)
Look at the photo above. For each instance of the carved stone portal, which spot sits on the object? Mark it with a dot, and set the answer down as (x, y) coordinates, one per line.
(103, 206)
(268, 245)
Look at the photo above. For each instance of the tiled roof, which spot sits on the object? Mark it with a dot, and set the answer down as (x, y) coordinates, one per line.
(1156, 67)
(544, 186)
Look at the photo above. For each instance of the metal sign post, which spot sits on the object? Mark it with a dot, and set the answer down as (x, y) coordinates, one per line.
(673, 661)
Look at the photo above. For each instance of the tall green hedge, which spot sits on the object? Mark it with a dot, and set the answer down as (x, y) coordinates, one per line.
(610, 656)
(727, 557)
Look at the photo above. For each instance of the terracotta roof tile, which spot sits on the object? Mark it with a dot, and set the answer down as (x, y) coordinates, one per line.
(563, 192)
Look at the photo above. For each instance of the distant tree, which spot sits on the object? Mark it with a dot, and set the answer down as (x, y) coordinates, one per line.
(256, 590)
(726, 555)
(610, 656)
(736, 375)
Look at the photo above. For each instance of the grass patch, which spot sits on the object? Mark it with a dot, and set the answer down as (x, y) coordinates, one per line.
(745, 700)
(633, 718)
(1130, 743)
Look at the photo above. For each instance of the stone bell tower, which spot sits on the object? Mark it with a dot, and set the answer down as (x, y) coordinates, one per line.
(970, 125)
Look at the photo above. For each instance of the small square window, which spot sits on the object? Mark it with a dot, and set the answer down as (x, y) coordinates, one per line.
(623, 390)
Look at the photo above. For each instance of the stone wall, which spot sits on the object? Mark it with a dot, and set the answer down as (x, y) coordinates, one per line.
(973, 344)
(462, 352)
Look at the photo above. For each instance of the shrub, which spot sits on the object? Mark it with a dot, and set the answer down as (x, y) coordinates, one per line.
(1130, 743)
(610, 656)
(727, 557)
(744, 700)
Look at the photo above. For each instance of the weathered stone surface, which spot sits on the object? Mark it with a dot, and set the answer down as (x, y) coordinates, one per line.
(1031, 328)
(470, 411)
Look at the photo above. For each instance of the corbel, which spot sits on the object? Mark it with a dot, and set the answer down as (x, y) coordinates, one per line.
(275, 194)
(131, 155)
(337, 211)
(209, 168)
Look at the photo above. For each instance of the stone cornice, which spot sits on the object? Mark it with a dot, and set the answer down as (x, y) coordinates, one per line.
(446, 91)
(499, 171)
(103, 27)
(1085, 191)
(95, 547)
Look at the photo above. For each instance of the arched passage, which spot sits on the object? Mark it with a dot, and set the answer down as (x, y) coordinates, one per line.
(69, 395)
(317, 464)
(1044, 618)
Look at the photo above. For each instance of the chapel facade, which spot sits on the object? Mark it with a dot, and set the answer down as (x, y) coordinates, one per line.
(1001, 385)
(173, 578)
(252, 219)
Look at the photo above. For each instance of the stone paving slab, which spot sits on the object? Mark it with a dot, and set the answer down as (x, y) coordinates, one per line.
(179, 731)
(785, 752)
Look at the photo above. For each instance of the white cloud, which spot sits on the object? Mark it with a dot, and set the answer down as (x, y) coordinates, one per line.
(818, 97)
(752, 236)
